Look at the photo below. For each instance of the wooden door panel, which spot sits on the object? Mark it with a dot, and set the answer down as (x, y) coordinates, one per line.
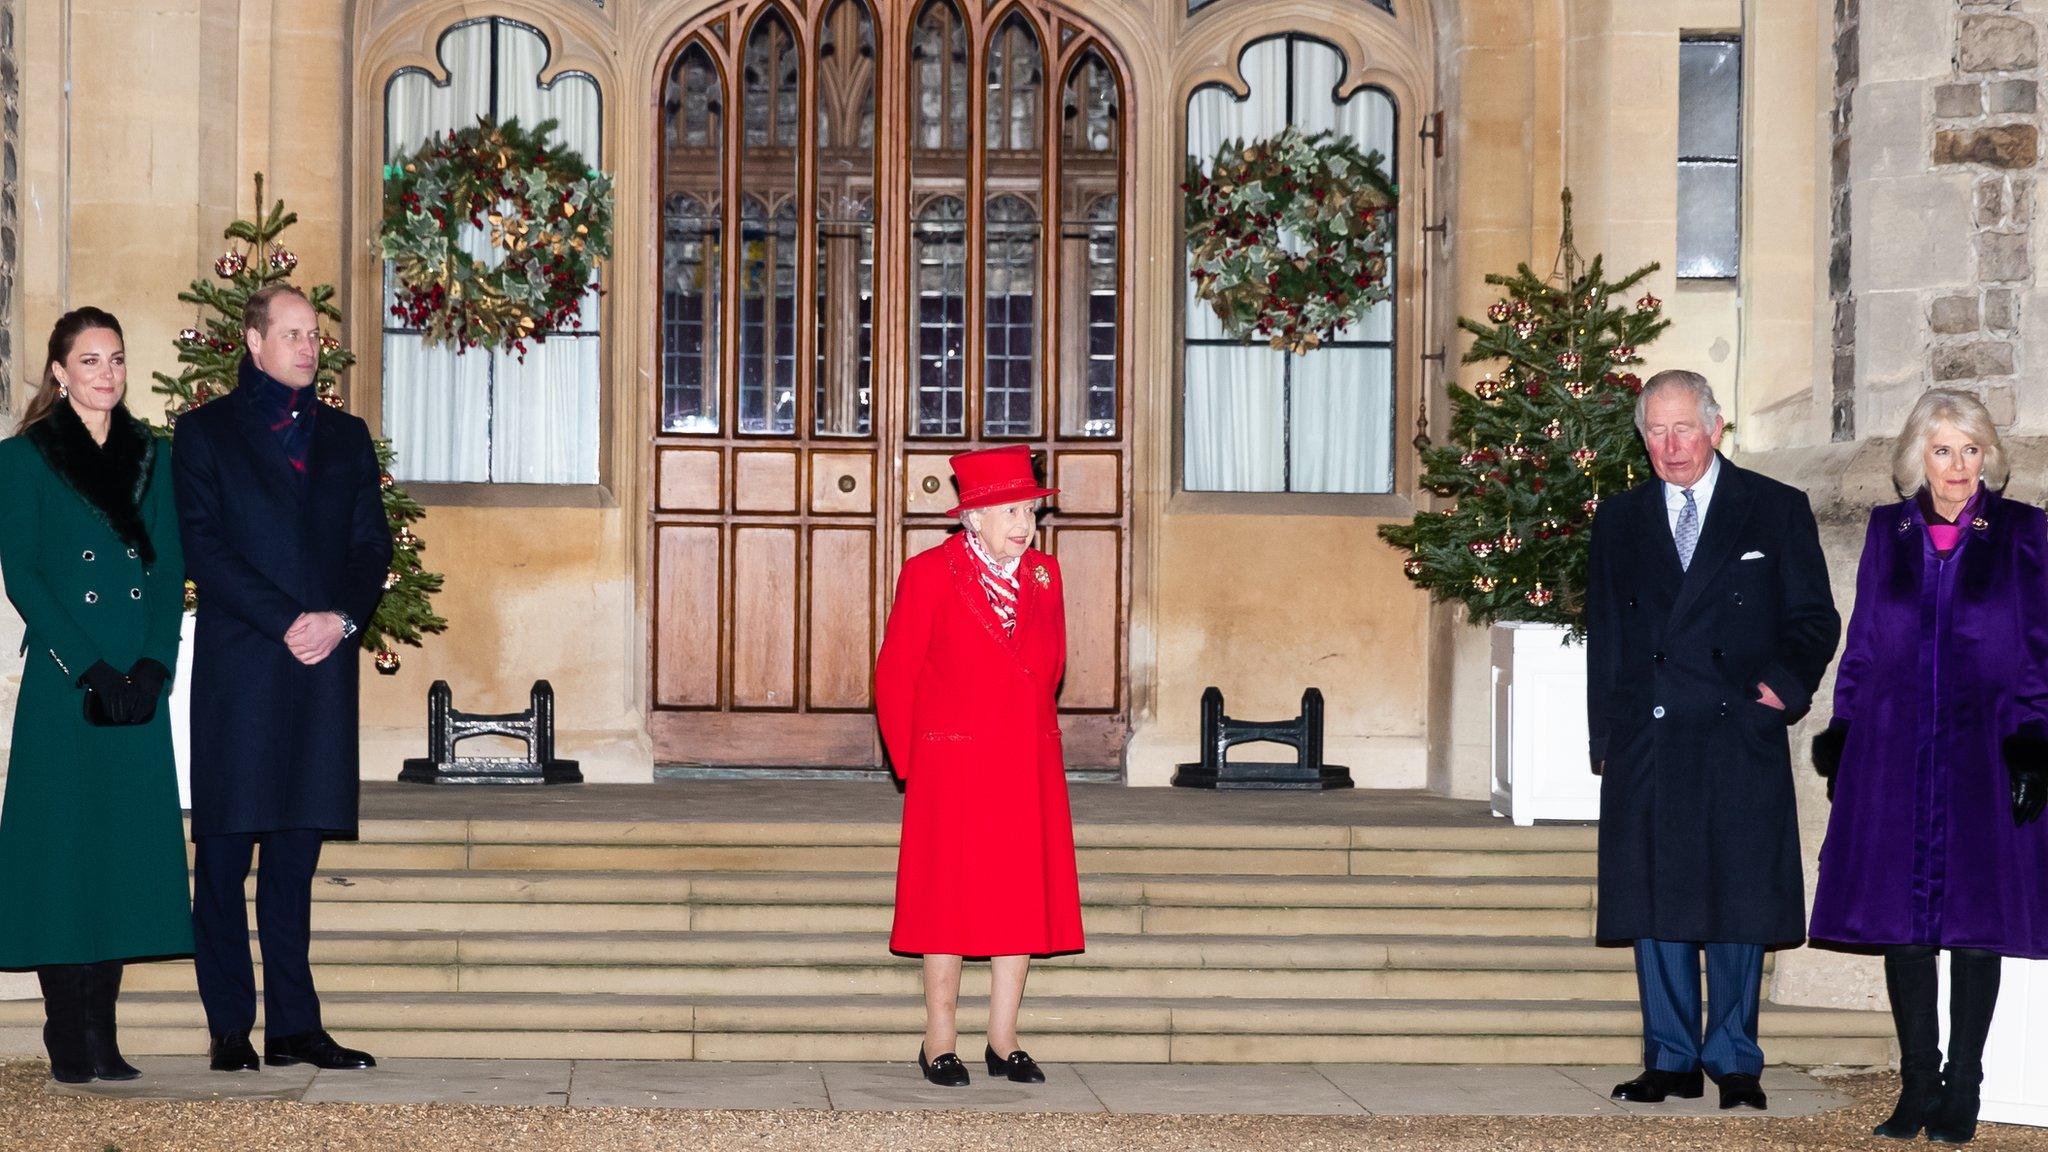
(764, 612)
(842, 483)
(929, 483)
(687, 480)
(1091, 565)
(917, 540)
(841, 633)
(764, 480)
(1090, 483)
(686, 611)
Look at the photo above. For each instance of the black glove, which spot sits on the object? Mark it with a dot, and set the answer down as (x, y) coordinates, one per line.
(2026, 761)
(146, 681)
(109, 698)
(1827, 752)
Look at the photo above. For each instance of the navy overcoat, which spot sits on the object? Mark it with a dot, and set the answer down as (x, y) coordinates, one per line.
(274, 741)
(1699, 838)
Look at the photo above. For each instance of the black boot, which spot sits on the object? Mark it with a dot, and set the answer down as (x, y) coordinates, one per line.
(102, 990)
(1972, 995)
(1910, 976)
(64, 1022)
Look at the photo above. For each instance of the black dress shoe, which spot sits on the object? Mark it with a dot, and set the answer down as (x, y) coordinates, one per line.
(945, 1069)
(1741, 1090)
(1655, 1084)
(316, 1048)
(1018, 1066)
(232, 1052)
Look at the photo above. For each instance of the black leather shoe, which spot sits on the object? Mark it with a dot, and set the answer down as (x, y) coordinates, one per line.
(1741, 1090)
(1655, 1084)
(1018, 1066)
(232, 1052)
(945, 1069)
(316, 1048)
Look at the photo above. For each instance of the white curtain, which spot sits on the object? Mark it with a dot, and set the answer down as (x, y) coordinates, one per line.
(482, 415)
(1256, 420)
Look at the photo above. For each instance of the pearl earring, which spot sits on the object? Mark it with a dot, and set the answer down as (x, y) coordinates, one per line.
(63, 390)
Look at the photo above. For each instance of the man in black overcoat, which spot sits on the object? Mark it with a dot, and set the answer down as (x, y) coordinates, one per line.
(286, 540)
(1708, 625)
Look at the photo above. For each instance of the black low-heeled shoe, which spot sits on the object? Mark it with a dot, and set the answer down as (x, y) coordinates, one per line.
(945, 1069)
(1018, 1066)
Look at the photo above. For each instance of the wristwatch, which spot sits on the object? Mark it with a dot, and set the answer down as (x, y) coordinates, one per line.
(348, 626)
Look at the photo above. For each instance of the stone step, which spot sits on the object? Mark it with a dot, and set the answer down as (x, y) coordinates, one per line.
(1058, 1028)
(862, 903)
(726, 964)
(692, 847)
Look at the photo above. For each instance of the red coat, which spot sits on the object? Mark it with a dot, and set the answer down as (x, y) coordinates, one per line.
(986, 866)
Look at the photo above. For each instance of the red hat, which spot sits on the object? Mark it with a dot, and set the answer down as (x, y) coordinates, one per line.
(995, 476)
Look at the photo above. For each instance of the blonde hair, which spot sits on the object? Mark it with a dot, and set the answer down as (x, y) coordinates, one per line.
(1960, 411)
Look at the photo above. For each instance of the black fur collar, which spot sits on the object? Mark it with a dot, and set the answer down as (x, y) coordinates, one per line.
(112, 478)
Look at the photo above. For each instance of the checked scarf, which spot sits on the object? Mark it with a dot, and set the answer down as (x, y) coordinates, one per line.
(998, 580)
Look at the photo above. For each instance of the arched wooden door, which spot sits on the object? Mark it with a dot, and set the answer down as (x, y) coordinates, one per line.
(892, 231)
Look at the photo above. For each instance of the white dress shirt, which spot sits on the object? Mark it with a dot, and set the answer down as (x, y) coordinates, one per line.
(1702, 495)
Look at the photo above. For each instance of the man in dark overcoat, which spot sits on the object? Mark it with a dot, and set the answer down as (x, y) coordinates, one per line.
(1708, 625)
(286, 540)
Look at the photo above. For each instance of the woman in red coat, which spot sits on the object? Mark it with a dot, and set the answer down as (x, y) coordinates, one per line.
(964, 691)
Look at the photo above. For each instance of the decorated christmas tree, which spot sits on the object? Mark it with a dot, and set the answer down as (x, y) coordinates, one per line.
(1536, 442)
(210, 354)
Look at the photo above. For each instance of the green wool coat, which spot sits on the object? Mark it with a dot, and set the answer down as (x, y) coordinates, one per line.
(92, 854)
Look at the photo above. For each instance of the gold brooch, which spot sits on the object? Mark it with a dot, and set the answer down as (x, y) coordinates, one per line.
(1980, 523)
(1043, 577)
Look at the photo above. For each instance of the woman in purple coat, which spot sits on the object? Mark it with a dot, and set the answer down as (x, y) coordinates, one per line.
(1937, 757)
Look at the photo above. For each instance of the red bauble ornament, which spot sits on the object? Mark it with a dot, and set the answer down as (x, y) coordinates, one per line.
(1413, 567)
(1481, 548)
(1584, 457)
(1539, 595)
(282, 260)
(1590, 506)
(1525, 328)
(1533, 388)
(1648, 303)
(190, 336)
(1498, 312)
(1554, 429)
(1510, 543)
(229, 265)
(387, 662)
(1568, 361)
(1624, 353)
(1484, 583)
(1577, 389)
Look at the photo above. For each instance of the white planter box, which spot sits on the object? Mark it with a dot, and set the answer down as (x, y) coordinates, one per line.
(1540, 770)
(181, 713)
(2016, 1055)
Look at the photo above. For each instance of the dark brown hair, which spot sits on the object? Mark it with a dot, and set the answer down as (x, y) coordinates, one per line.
(256, 313)
(69, 327)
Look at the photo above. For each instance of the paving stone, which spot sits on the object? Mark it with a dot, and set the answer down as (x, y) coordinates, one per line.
(899, 1087)
(526, 1082)
(696, 1084)
(1434, 1090)
(1211, 1089)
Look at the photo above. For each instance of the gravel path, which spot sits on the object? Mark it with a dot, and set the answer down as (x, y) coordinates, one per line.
(33, 1119)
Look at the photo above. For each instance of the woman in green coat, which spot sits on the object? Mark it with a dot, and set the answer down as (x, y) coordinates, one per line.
(92, 854)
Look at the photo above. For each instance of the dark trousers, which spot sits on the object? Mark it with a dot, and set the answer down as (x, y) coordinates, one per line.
(1668, 983)
(284, 924)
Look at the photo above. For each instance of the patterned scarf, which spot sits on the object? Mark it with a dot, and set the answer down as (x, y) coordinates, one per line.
(998, 580)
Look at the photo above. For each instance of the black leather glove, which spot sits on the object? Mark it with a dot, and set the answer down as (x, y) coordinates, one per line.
(2026, 761)
(109, 699)
(146, 681)
(1827, 752)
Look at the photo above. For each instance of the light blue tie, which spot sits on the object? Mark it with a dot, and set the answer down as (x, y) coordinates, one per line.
(1688, 534)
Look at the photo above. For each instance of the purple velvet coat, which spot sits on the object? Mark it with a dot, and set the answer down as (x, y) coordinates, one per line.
(1946, 657)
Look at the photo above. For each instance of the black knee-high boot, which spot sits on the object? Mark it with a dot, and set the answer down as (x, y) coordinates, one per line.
(1911, 977)
(1972, 996)
(64, 1022)
(102, 1043)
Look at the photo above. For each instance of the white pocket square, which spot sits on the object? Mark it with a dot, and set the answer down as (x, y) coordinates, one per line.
(1752, 555)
